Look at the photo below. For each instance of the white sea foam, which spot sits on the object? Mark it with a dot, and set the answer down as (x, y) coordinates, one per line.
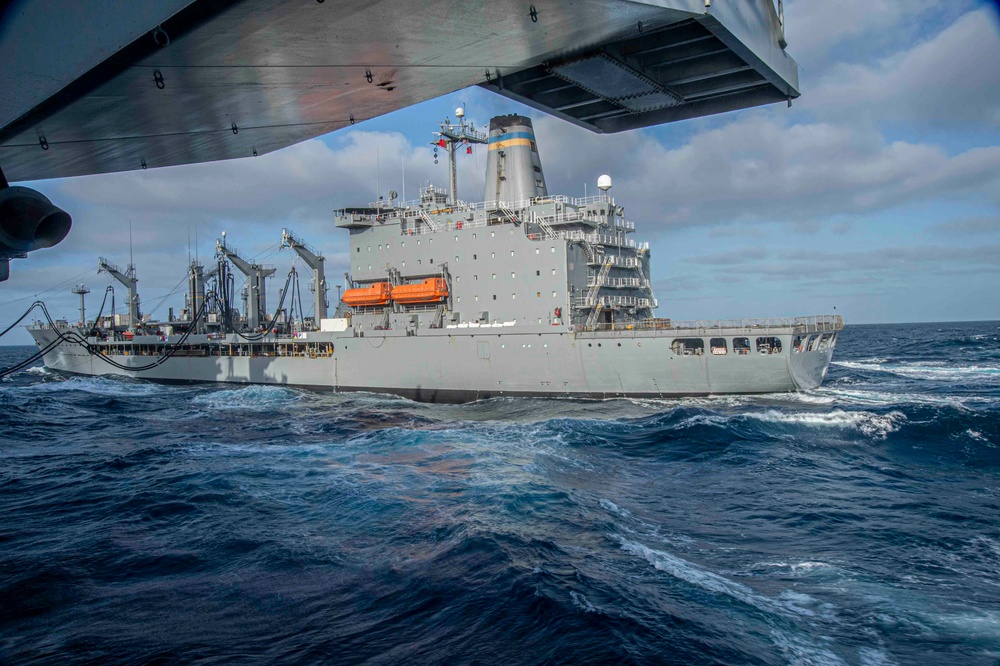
(872, 657)
(39, 370)
(977, 436)
(801, 652)
(934, 370)
(695, 575)
(106, 386)
(869, 423)
(251, 397)
(582, 602)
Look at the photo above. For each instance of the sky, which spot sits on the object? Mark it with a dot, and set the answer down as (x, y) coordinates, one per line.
(875, 196)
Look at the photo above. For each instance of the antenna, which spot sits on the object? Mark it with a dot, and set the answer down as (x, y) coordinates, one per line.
(131, 261)
(378, 176)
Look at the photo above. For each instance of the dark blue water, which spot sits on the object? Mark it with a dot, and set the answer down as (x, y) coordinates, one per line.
(857, 524)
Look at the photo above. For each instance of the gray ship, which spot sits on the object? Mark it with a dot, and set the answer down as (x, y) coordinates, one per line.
(524, 294)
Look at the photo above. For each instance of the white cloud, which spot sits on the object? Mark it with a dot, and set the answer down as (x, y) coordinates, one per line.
(951, 79)
(860, 30)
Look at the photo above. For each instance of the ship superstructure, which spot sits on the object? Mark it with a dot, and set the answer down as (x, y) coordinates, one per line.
(526, 293)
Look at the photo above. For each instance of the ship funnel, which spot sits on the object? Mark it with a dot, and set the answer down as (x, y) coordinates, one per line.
(513, 168)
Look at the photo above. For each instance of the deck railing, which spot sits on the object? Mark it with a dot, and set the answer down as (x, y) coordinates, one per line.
(808, 324)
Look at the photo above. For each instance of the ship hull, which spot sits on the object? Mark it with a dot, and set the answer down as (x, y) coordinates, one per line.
(443, 366)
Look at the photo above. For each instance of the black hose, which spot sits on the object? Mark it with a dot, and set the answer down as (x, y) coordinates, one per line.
(73, 337)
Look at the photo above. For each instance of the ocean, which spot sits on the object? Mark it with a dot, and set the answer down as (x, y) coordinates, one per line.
(854, 524)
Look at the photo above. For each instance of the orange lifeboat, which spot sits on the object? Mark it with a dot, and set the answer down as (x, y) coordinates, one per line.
(373, 294)
(431, 290)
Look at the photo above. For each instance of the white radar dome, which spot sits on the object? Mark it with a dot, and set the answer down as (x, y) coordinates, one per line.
(604, 183)
(459, 112)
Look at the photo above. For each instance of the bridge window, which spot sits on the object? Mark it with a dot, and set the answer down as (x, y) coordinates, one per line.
(369, 248)
(512, 253)
(553, 271)
(513, 296)
(768, 345)
(798, 345)
(688, 346)
(359, 248)
(553, 294)
(824, 341)
(538, 294)
(741, 346)
(513, 274)
(811, 345)
(474, 257)
(718, 346)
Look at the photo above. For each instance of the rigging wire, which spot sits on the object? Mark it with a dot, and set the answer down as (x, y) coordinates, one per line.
(53, 287)
(75, 338)
(176, 290)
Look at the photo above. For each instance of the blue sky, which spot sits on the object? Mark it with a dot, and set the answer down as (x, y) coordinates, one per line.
(877, 193)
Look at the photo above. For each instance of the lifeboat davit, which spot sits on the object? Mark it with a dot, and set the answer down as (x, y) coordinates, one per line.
(431, 290)
(374, 294)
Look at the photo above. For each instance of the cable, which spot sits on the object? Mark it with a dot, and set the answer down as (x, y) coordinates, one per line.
(74, 338)
(56, 286)
(21, 318)
(176, 290)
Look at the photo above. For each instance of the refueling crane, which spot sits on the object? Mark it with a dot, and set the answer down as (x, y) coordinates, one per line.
(315, 261)
(130, 281)
(256, 277)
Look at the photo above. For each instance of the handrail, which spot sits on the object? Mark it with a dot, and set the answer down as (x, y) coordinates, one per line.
(805, 324)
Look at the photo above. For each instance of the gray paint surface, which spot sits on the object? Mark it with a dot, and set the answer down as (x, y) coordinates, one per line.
(161, 84)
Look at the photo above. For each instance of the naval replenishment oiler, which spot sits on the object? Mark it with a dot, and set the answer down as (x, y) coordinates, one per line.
(524, 294)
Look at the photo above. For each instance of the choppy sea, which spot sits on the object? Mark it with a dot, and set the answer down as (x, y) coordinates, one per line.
(855, 524)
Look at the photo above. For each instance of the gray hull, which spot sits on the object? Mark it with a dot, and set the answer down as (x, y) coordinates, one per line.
(449, 366)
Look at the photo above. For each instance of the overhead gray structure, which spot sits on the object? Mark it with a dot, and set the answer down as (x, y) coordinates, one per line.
(315, 260)
(144, 85)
